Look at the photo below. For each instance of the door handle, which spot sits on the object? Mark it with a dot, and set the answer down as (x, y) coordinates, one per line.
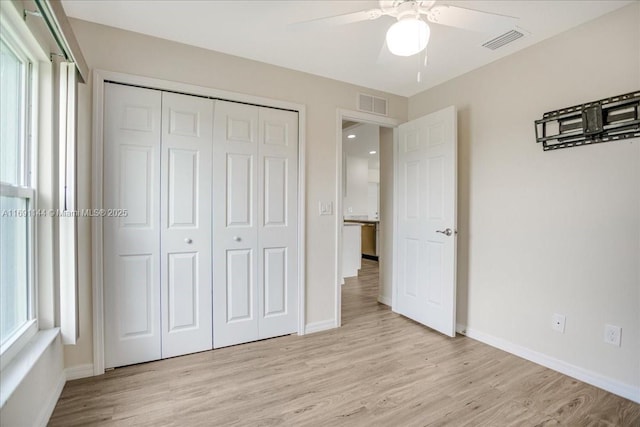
(237, 238)
(188, 240)
(446, 231)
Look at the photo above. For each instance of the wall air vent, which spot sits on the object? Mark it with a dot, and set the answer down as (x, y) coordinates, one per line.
(502, 40)
(372, 104)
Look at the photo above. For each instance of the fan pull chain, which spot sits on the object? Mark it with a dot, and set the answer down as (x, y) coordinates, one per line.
(424, 64)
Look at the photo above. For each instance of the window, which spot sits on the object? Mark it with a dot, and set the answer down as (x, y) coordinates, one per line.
(17, 195)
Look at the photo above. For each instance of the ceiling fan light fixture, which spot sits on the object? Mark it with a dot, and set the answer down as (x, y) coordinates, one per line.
(408, 36)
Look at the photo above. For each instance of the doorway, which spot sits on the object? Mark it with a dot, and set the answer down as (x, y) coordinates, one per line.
(418, 255)
(371, 206)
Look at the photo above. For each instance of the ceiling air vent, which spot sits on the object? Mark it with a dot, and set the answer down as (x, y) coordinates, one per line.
(372, 104)
(500, 41)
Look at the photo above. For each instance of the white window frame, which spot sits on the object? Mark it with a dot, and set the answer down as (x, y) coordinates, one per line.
(25, 48)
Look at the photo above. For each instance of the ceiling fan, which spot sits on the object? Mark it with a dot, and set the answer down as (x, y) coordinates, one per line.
(410, 34)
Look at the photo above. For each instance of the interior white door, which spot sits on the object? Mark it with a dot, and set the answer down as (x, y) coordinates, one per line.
(235, 224)
(185, 216)
(277, 222)
(132, 242)
(255, 223)
(426, 222)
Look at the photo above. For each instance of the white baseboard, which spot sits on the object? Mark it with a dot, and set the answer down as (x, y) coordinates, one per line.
(50, 405)
(319, 326)
(384, 300)
(80, 371)
(627, 391)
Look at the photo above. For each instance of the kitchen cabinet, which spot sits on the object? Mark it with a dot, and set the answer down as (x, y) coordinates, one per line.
(369, 238)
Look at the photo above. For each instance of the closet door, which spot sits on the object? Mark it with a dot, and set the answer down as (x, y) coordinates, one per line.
(235, 230)
(132, 242)
(255, 223)
(185, 216)
(277, 222)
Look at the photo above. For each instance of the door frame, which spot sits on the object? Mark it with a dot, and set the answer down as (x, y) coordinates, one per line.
(361, 117)
(100, 77)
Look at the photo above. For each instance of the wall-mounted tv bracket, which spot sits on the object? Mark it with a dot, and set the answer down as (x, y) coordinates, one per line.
(609, 119)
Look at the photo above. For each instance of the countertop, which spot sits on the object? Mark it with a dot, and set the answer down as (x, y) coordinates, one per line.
(361, 221)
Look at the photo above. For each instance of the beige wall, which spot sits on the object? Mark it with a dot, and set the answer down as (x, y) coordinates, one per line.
(116, 50)
(385, 228)
(549, 232)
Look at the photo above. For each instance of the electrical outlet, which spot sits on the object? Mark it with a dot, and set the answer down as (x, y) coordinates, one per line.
(612, 334)
(557, 322)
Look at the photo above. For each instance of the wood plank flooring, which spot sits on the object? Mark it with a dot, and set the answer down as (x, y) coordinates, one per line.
(379, 369)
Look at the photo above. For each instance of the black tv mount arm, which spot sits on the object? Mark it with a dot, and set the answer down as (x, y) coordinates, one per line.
(609, 119)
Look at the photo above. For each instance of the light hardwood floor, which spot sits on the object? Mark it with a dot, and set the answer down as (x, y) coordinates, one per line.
(379, 369)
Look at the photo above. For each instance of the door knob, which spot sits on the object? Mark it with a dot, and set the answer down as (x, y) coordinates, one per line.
(188, 240)
(446, 232)
(237, 238)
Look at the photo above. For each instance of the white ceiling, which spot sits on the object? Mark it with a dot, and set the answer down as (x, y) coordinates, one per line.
(352, 53)
(367, 139)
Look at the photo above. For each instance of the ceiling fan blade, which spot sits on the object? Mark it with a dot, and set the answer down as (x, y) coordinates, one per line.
(347, 18)
(469, 19)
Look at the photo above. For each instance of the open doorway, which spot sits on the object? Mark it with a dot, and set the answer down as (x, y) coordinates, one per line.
(365, 205)
(418, 237)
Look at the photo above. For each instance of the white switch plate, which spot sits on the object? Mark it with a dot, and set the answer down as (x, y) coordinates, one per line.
(557, 322)
(326, 208)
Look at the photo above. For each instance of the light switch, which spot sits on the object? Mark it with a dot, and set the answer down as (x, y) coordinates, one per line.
(326, 208)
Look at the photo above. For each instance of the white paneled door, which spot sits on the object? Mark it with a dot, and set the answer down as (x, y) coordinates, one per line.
(277, 222)
(235, 299)
(207, 254)
(185, 218)
(426, 223)
(132, 128)
(255, 223)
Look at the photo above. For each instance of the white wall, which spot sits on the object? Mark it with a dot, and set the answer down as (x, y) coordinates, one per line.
(550, 232)
(117, 50)
(33, 401)
(355, 200)
(373, 198)
(356, 190)
(374, 174)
